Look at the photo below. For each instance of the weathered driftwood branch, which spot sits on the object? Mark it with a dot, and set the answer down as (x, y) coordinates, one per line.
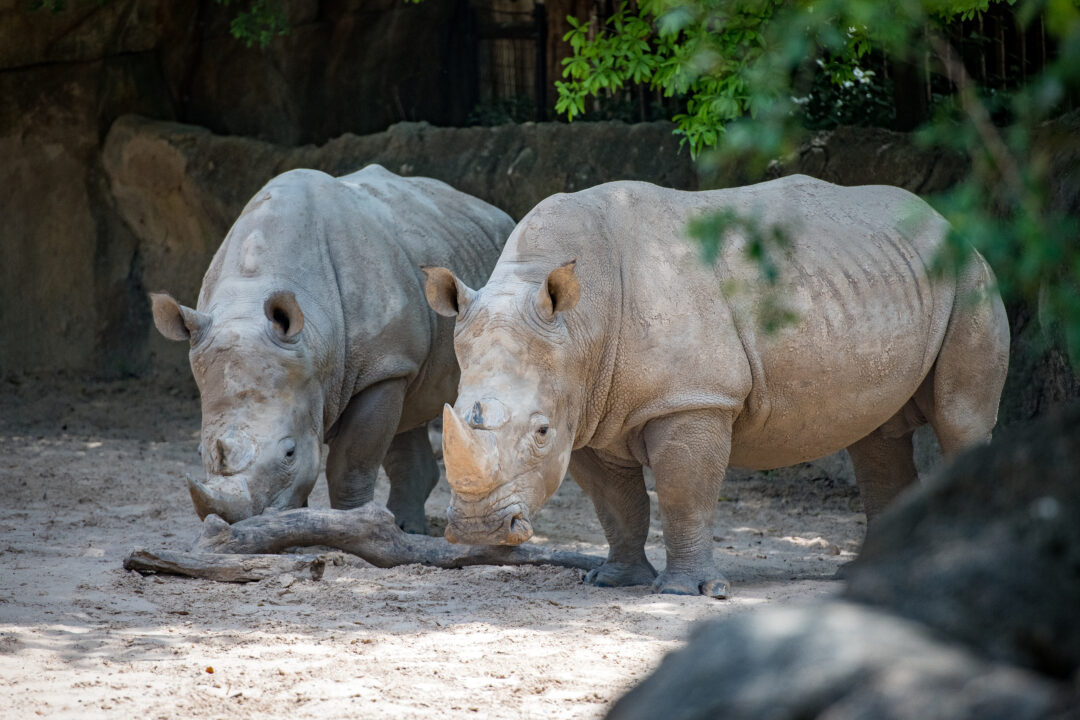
(244, 552)
(369, 532)
(221, 567)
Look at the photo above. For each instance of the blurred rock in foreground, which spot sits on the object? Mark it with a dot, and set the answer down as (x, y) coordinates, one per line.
(965, 603)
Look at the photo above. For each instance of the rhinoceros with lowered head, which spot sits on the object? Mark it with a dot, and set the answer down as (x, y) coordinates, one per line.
(311, 327)
(604, 343)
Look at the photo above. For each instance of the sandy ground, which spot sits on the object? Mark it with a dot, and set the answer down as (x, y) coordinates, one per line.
(90, 471)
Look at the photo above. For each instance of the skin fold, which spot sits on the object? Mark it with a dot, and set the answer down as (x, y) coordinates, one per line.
(310, 329)
(604, 343)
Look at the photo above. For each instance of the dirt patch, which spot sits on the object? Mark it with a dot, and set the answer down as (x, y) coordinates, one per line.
(91, 471)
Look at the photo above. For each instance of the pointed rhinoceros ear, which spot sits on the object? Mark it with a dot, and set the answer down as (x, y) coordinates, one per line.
(446, 295)
(284, 314)
(560, 292)
(175, 321)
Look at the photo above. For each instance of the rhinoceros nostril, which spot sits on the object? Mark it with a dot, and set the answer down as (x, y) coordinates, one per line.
(518, 531)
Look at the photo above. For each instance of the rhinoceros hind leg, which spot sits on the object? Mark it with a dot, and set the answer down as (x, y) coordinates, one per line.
(884, 465)
(960, 397)
(410, 464)
(622, 505)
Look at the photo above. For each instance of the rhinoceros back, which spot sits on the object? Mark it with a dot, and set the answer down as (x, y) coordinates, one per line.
(312, 224)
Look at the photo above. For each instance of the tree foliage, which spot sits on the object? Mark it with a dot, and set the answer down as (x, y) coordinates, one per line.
(257, 22)
(743, 68)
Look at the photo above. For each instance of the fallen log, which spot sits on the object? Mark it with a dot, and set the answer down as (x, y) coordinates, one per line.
(369, 532)
(248, 550)
(223, 567)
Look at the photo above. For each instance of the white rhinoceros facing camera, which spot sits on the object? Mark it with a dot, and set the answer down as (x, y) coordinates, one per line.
(311, 328)
(603, 343)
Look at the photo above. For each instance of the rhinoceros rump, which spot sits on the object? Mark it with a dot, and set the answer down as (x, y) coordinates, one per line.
(311, 328)
(639, 354)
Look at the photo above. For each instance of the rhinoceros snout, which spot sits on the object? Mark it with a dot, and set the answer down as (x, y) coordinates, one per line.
(509, 529)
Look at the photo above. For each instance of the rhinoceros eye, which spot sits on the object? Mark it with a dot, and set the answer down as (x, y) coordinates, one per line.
(288, 446)
(541, 430)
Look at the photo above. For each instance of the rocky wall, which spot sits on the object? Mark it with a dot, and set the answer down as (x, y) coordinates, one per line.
(71, 293)
(66, 276)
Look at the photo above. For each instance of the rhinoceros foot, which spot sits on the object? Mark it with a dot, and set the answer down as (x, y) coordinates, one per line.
(710, 584)
(617, 574)
(414, 523)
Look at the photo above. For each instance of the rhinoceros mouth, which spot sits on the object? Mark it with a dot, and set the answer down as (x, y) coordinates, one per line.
(510, 526)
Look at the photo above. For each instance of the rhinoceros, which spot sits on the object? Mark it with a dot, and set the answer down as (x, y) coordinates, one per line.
(604, 343)
(311, 327)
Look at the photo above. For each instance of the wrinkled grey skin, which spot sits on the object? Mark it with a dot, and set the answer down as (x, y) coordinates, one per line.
(311, 328)
(640, 354)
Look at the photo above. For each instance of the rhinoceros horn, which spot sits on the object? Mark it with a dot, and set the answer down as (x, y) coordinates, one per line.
(228, 497)
(471, 455)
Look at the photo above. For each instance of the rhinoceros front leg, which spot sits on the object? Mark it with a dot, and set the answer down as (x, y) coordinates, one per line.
(622, 505)
(413, 472)
(688, 453)
(359, 444)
